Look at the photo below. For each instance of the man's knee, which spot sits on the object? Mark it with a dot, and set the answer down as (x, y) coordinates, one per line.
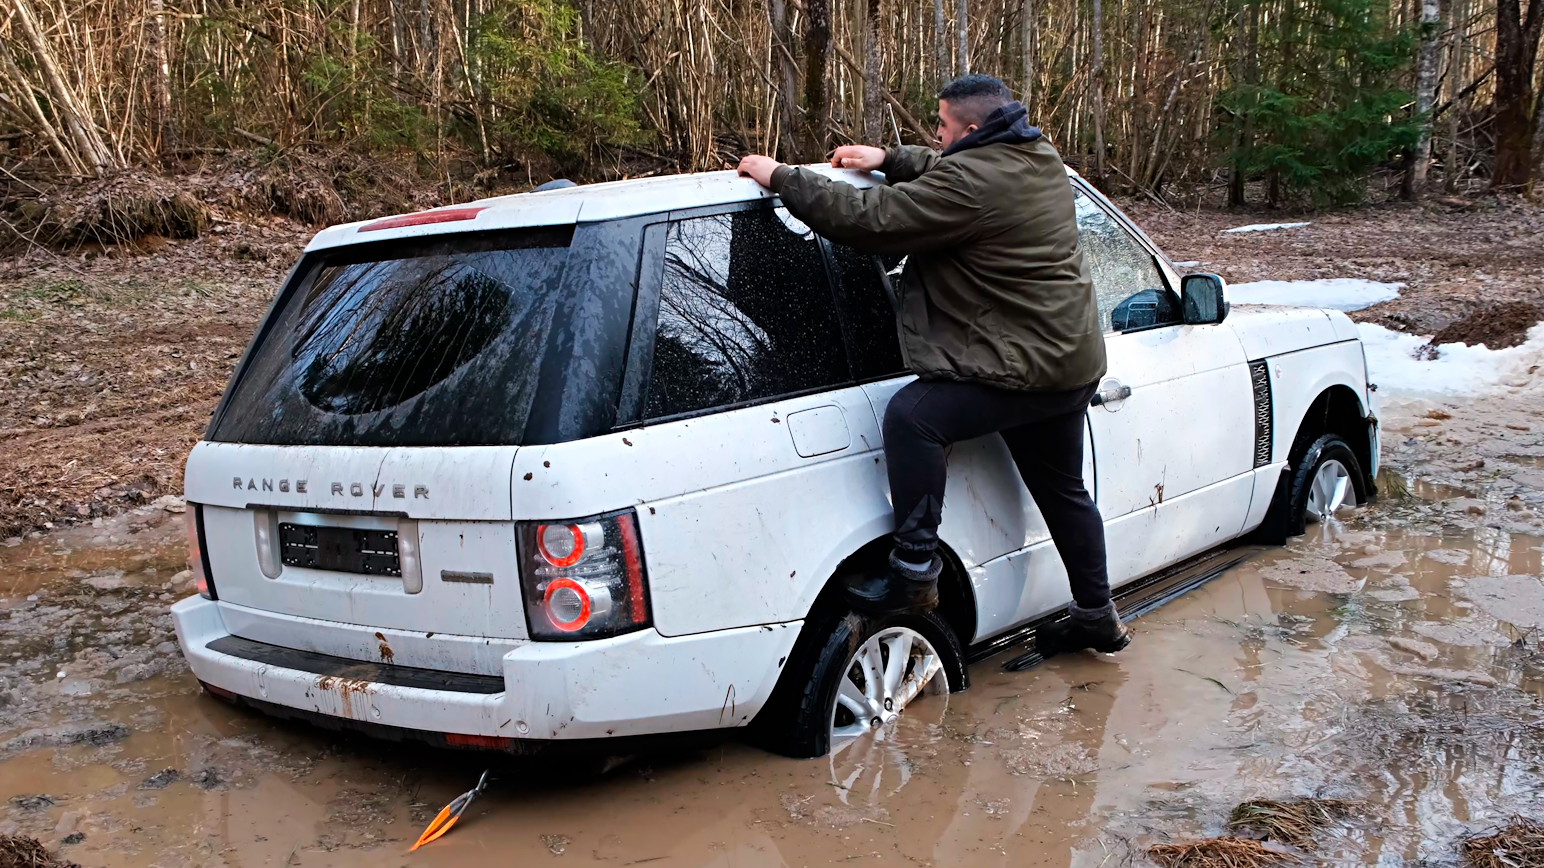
(902, 416)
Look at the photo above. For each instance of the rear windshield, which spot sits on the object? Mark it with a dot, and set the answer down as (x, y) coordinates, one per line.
(438, 343)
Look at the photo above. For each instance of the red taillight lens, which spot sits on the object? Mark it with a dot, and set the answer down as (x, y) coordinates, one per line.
(584, 579)
(194, 519)
(563, 545)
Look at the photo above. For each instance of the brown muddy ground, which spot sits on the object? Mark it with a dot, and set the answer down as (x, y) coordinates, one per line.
(1456, 257)
(1390, 657)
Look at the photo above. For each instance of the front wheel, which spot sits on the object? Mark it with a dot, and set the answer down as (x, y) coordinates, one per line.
(1328, 477)
(863, 672)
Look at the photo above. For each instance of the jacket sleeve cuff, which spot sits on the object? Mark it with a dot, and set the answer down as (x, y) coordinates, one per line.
(888, 166)
(780, 176)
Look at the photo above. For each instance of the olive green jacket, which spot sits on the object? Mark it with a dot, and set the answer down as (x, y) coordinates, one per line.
(996, 289)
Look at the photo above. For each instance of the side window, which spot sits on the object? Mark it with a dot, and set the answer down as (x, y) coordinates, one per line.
(745, 313)
(1127, 282)
(873, 339)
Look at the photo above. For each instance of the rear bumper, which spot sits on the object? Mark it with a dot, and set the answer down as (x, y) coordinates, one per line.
(638, 684)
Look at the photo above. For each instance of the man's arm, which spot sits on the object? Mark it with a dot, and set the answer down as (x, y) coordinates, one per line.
(907, 163)
(937, 210)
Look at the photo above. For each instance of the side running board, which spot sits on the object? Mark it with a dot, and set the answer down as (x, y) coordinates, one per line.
(1133, 600)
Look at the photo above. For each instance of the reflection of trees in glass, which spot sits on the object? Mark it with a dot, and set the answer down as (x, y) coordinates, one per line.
(745, 312)
(376, 334)
(1118, 265)
(704, 338)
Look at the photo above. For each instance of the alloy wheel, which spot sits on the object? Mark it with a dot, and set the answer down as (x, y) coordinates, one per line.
(894, 667)
(1327, 492)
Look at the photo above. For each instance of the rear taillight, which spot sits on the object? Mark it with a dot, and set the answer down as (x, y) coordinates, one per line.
(198, 561)
(583, 579)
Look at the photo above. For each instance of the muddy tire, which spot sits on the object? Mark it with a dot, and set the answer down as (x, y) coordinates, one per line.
(797, 721)
(1326, 457)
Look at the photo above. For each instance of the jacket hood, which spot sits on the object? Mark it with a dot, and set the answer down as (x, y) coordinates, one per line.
(1005, 125)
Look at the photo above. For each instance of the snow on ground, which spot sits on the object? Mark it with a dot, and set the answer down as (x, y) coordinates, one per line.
(1265, 227)
(1392, 363)
(1340, 293)
(1392, 360)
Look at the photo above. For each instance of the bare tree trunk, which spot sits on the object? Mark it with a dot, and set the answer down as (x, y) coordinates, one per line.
(962, 34)
(940, 45)
(19, 83)
(1538, 138)
(1425, 97)
(65, 104)
(160, 80)
(1458, 15)
(1245, 126)
(1027, 43)
(1517, 44)
(873, 82)
(1096, 73)
(787, 77)
(817, 41)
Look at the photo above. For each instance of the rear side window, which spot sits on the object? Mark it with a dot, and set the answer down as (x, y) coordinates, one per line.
(745, 314)
(872, 332)
(411, 344)
(1122, 270)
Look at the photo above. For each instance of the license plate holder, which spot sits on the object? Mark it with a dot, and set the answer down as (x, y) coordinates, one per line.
(340, 549)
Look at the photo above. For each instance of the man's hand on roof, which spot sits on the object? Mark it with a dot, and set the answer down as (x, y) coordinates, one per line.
(863, 157)
(758, 169)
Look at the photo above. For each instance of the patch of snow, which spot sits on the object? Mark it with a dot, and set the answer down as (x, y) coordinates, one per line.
(1186, 264)
(1458, 369)
(1266, 227)
(1339, 293)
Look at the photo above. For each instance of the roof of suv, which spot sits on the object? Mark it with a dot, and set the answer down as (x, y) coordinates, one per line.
(583, 203)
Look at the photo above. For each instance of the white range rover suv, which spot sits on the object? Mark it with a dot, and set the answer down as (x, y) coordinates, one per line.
(583, 467)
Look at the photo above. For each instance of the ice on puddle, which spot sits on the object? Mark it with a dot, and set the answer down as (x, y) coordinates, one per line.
(1266, 227)
(1338, 293)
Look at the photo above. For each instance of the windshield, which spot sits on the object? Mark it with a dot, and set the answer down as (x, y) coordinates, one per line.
(437, 343)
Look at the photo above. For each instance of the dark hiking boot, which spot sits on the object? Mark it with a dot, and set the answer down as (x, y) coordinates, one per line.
(1099, 629)
(896, 588)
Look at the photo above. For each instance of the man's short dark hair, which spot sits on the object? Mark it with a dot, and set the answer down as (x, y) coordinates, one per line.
(972, 97)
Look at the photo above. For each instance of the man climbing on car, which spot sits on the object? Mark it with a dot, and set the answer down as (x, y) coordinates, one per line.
(997, 319)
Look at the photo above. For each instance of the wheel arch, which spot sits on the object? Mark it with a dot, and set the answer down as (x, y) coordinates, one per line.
(1337, 409)
(956, 606)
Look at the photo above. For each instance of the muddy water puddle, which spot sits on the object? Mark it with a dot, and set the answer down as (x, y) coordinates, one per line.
(1391, 660)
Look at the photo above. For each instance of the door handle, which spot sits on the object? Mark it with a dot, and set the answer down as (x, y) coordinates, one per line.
(1110, 395)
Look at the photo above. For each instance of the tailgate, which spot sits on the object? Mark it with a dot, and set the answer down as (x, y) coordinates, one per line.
(414, 538)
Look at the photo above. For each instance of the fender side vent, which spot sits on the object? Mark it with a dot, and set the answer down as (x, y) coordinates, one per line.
(1260, 380)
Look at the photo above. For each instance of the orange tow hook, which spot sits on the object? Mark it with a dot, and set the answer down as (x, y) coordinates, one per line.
(449, 814)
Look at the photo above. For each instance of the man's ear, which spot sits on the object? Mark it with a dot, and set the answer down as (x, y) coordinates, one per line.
(970, 129)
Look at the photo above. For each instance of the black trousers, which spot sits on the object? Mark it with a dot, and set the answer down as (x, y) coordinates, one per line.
(1044, 433)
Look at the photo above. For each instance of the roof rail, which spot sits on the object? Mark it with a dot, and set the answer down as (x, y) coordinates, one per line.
(554, 184)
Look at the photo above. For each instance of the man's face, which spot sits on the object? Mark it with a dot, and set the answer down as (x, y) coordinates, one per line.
(950, 130)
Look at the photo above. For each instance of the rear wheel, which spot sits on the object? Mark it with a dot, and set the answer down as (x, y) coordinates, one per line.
(859, 674)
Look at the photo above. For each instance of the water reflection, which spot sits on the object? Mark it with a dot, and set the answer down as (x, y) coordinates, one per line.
(1410, 685)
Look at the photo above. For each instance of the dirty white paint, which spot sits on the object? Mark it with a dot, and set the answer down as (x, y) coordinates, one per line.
(1336, 293)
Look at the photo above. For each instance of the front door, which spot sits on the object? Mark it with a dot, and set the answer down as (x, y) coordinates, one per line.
(1173, 434)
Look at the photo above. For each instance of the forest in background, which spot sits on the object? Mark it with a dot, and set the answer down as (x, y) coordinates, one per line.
(1312, 102)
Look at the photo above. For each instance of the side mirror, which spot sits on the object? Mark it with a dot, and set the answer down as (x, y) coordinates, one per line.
(1203, 298)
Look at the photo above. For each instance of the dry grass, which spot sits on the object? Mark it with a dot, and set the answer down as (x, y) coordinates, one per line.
(1518, 844)
(1217, 853)
(20, 851)
(1291, 822)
